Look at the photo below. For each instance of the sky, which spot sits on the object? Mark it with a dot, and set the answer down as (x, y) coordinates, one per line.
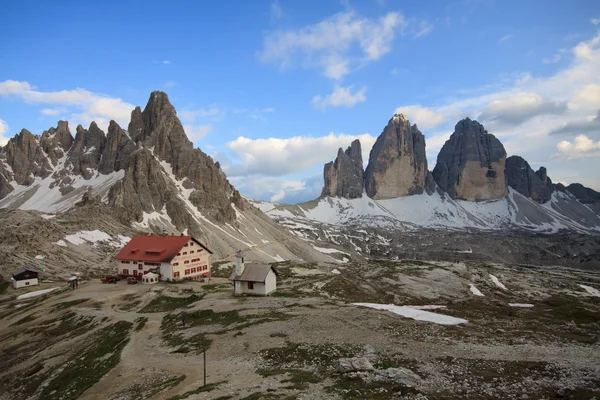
(272, 89)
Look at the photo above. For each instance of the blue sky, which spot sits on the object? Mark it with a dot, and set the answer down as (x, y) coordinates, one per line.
(271, 89)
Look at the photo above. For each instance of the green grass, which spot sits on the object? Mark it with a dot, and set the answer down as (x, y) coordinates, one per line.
(68, 304)
(4, 286)
(300, 355)
(165, 303)
(283, 294)
(89, 365)
(202, 389)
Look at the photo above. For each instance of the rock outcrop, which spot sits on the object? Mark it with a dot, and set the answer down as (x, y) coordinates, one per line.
(26, 158)
(86, 152)
(470, 165)
(344, 177)
(397, 163)
(117, 150)
(584, 194)
(524, 180)
(542, 173)
(56, 141)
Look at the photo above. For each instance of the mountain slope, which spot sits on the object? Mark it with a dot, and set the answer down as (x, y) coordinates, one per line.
(149, 176)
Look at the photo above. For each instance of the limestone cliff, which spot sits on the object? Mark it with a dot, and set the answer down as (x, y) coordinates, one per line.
(397, 162)
(470, 165)
(344, 176)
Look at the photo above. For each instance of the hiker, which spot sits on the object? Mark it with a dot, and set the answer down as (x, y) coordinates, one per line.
(77, 283)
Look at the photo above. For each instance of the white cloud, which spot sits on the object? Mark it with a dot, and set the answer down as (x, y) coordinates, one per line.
(422, 116)
(590, 124)
(581, 147)
(276, 11)
(505, 38)
(425, 29)
(272, 156)
(51, 111)
(3, 132)
(586, 98)
(89, 106)
(197, 132)
(191, 115)
(520, 107)
(278, 189)
(331, 44)
(341, 96)
(166, 62)
(555, 58)
(595, 21)
(397, 71)
(268, 110)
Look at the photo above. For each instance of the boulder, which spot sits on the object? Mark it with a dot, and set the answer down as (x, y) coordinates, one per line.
(524, 180)
(397, 162)
(401, 376)
(470, 165)
(344, 176)
(345, 365)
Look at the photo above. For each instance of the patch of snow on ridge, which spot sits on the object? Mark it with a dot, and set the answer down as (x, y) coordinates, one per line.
(39, 257)
(497, 282)
(61, 243)
(328, 251)
(90, 236)
(475, 291)
(419, 315)
(36, 293)
(50, 200)
(522, 305)
(591, 290)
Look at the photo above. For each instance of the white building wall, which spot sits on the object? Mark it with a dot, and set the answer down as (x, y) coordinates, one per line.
(270, 282)
(25, 283)
(191, 257)
(262, 289)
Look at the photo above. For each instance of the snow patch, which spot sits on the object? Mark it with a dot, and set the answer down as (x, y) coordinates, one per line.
(475, 291)
(36, 293)
(336, 271)
(39, 257)
(416, 314)
(591, 290)
(523, 305)
(61, 243)
(497, 282)
(87, 236)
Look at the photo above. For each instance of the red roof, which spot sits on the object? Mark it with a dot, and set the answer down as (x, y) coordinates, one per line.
(155, 248)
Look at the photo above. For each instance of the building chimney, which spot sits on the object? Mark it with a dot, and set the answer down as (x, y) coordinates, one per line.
(239, 270)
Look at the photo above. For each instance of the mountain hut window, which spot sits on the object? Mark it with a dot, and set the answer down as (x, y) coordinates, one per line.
(251, 285)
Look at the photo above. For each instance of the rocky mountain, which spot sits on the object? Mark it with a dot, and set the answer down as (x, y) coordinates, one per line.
(524, 180)
(344, 177)
(149, 176)
(470, 165)
(397, 163)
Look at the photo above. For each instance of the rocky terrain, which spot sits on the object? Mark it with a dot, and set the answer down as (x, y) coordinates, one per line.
(464, 330)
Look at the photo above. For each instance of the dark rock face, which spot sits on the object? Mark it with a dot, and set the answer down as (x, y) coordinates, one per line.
(5, 178)
(56, 141)
(344, 176)
(542, 173)
(397, 163)
(86, 151)
(583, 194)
(26, 158)
(117, 150)
(470, 165)
(521, 177)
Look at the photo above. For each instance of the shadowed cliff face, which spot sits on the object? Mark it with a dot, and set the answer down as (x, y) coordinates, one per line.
(470, 165)
(344, 176)
(524, 180)
(397, 163)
